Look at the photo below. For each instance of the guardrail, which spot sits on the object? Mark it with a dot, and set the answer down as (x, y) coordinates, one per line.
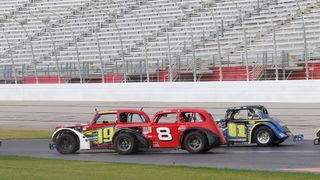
(230, 91)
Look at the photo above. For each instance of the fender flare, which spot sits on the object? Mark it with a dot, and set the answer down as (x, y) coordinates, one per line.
(213, 139)
(276, 132)
(142, 141)
(318, 133)
(83, 141)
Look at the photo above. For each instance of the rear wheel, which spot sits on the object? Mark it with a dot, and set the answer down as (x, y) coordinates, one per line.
(67, 144)
(125, 144)
(264, 136)
(195, 143)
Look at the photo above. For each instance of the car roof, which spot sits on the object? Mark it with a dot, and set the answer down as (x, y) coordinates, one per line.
(135, 111)
(174, 110)
(246, 107)
(119, 110)
(106, 112)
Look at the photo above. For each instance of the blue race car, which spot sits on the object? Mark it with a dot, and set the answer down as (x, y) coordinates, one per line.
(252, 124)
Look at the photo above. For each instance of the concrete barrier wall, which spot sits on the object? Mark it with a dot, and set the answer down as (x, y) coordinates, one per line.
(255, 91)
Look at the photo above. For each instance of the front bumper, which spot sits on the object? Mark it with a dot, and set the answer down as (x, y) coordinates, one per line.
(291, 137)
(296, 138)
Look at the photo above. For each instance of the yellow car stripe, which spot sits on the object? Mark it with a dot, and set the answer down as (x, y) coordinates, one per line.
(107, 112)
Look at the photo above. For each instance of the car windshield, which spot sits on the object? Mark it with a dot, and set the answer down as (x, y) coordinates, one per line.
(264, 114)
(135, 118)
(106, 118)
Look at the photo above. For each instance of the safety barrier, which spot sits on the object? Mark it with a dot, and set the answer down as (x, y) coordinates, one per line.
(232, 91)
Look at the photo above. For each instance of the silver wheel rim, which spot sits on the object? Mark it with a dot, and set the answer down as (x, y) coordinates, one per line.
(263, 137)
(124, 144)
(195, 143)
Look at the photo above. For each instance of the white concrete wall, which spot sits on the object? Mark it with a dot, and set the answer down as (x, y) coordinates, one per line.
(257, 91)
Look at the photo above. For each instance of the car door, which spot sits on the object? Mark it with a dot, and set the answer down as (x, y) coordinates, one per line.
(165, 131)
(237, 126)
(102, 130)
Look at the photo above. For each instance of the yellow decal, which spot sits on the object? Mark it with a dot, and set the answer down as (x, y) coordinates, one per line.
(237, 130)
(107, 112)
(232, 128)
(105, 135)
(250, 136)
(241, 131)
(90, 133)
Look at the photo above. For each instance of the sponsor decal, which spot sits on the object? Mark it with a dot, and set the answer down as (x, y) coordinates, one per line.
(100, 136)
(182, 128)
(155, 144)
(146, 130)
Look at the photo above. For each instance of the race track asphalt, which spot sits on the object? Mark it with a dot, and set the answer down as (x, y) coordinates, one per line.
(302, 156)
(300, 118)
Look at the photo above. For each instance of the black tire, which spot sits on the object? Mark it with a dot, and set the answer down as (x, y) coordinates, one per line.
(263, 136)
(208, 148)
(195, 142)
(216, 143)
(125, 144)
(67, 144)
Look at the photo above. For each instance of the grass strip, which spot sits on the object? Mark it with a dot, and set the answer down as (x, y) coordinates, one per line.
(15, 167)
(9, 134)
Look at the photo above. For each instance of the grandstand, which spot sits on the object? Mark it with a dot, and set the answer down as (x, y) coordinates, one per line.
(94, 41)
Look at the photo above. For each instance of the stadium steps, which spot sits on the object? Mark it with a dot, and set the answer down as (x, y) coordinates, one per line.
(89, 32)
(251, 35)
(157, 36)
(278, 25)
(291, 35)
(160, 32)
(284, 23)
(35, 34)
(231, 27)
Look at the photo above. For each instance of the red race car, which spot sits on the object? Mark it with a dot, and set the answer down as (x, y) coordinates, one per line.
(127, 131)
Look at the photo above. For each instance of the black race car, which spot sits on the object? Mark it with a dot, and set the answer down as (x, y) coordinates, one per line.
(317, 140)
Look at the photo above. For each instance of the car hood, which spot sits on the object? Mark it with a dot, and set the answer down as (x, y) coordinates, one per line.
(76, 126)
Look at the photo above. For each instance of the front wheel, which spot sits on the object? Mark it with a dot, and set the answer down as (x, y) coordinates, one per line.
(125, 144)
(67, 144)
(195, 143)
(264, 136)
